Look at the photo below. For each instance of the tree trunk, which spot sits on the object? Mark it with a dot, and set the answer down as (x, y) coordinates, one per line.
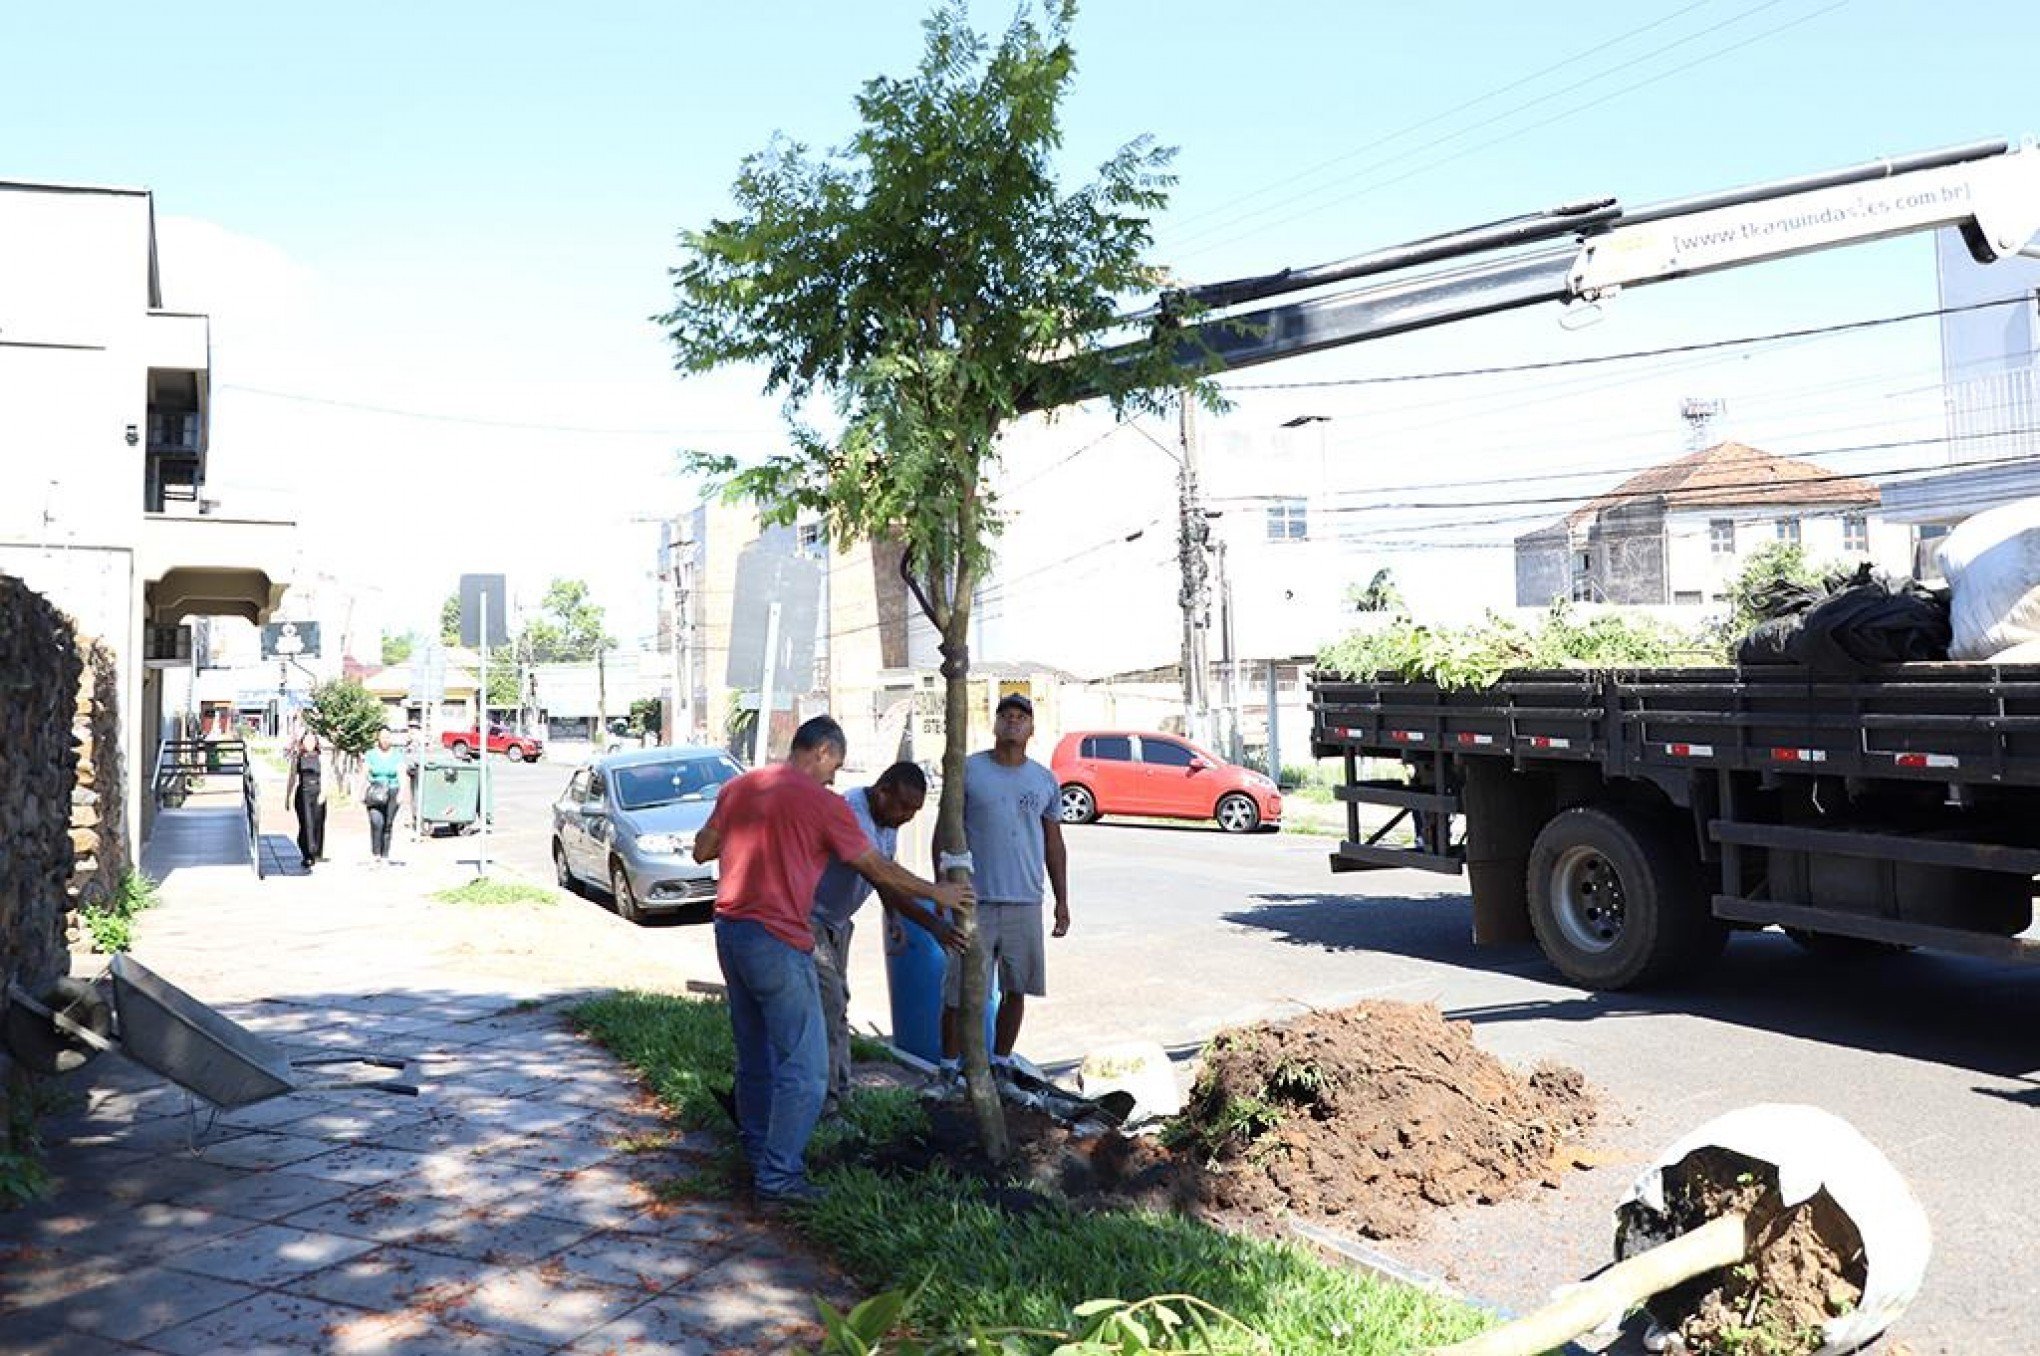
(949, 837)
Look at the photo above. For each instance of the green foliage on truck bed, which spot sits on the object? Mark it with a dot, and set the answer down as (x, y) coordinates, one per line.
(1477, 655)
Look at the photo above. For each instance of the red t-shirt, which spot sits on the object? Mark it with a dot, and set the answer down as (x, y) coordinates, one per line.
(780, 828)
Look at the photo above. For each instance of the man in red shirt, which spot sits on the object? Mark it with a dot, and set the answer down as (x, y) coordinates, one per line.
(775, 830)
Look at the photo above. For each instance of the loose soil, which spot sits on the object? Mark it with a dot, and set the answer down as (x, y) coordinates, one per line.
(1805, 1263)
(1365, 1118)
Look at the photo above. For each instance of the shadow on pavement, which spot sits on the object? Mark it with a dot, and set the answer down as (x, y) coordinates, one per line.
(1953, 1010)
(523, 1202)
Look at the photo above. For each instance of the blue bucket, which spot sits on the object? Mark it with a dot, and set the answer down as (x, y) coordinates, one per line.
(914, 963)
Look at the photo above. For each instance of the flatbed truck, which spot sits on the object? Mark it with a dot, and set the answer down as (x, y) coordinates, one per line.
(1627, 821)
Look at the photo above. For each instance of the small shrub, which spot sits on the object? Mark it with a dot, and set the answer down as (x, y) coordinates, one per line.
(111, 925)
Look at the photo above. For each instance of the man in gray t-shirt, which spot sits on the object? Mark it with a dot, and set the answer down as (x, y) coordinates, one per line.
(881, 808)
(1011, 827)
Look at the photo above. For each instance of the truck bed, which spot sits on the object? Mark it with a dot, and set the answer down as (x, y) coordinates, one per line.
(1945, 722)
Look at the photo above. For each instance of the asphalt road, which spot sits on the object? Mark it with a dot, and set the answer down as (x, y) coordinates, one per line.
(1180, 931)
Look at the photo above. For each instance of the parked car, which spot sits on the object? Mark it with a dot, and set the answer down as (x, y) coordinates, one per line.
(626, 823)
(518, 748)
(1140, 772)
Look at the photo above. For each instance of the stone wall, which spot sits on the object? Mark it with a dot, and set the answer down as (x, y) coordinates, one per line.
(99, 838)
(40, 675)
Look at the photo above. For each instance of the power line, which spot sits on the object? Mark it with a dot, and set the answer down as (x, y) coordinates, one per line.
(301, 398)
(1436, 118)
(1557, 117)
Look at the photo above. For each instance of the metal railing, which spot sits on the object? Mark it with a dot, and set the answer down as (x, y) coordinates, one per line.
(181, 764)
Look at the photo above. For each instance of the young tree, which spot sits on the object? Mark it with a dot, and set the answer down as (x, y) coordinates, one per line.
(346, 715)
(917, 279)
(449, 620)
(397, 648)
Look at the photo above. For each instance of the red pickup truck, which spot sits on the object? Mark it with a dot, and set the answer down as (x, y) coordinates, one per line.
(516, 747)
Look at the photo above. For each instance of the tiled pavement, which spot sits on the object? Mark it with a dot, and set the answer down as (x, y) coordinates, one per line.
(512, 1207)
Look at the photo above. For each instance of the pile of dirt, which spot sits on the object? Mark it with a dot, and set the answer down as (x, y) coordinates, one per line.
(1805, 1263)
(1365, 1118)
(1371, 1115)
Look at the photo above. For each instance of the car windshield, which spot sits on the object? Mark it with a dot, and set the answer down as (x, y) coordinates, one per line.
(639, 786)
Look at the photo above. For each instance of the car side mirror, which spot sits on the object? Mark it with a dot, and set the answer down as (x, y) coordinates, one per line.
(1198, 765)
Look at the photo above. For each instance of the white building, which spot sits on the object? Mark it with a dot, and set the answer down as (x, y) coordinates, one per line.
(104, 404)
(1677, 535)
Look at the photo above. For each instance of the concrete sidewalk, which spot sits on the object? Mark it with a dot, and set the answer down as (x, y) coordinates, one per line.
(510, 1207)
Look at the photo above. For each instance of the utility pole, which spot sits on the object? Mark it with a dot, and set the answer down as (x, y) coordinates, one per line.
(1193, 535)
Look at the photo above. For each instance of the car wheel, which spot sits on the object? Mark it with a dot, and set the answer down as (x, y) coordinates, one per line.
(563, 875)
(1238, 813)
(460, 750)
(1078, 805)
(1616, 901)
(627, 906)
(514, 753)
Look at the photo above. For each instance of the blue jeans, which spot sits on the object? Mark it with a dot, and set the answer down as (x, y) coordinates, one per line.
(782, 1049)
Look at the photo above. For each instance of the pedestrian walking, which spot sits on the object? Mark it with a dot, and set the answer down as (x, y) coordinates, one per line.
(1011, 829)
(304, 787)
(775, 829)
(382, 795)
(881, 809)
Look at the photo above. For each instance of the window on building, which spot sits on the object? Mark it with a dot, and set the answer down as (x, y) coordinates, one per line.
(1788, 531)
(1721, 536)
(1856, 533)
(1288, 520)
(811, 539)
(1686, 597)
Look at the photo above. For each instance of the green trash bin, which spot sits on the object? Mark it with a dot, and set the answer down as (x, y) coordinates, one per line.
(449, 793)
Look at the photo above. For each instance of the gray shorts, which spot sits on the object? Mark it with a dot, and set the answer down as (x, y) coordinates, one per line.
(1013, 941)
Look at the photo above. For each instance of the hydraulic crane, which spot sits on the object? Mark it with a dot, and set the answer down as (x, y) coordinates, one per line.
(1591, 250)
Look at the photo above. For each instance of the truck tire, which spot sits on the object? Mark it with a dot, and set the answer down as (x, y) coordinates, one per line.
(1616, 899)
(460, 749)
(514, 752)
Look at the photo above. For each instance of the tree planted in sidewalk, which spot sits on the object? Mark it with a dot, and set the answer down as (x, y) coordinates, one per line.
(917, 279)
(347, 716)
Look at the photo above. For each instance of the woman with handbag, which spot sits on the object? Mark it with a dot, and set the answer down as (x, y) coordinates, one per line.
(382, 794)
(305, 789)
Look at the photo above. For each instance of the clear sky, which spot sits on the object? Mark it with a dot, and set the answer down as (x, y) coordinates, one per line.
(430, 235)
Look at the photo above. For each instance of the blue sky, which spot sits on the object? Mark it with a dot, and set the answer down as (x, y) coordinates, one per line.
(465, 211)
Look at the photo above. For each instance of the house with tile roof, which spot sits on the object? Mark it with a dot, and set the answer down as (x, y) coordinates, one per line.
(1678, 534)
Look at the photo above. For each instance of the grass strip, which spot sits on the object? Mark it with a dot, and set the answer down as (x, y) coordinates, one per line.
(988, 1268)
(489, 893)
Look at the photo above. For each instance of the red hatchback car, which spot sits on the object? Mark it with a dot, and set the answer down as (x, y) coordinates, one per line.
(1137, 772)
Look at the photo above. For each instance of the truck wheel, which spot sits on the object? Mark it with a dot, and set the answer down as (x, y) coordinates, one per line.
(514, 752)
(1616, 899)
(1077, 805)
(460, 750)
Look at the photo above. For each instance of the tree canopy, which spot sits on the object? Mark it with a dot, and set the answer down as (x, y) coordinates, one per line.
(919, 278)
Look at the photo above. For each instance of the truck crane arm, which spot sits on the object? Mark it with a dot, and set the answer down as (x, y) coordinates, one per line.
(1986, 189)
